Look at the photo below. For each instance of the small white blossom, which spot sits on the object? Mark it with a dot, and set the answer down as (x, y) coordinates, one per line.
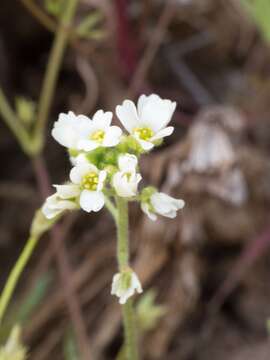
(88, 182)
(99, 132)
(126, 180)
(62, 200)
(148, 122)
(82, 133)
(67, 128)
(125, 284)
(162, 204)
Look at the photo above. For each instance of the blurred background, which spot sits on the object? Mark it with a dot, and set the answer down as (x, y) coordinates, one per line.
(205, 273)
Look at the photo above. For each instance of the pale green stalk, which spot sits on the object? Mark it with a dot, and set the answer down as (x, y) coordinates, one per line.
(52, 71)
(16, 272)
(38, 227)
(131, 348)
(112, 209)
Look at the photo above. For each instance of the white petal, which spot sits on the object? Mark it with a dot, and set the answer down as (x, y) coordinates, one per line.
(146, 145)
(127, 114)
(91, 200)
(48, 210)
(81, 169)
(141, 102)
(112, 136)
(101, 179)
(166, 205)
(145, 209)
(63, 130)
(102, 119)
(81, 158)
(127, 162)
(83, 119)
(126, 186)
(67, 191)
(115, 283)
(66, 130)
(163, 133)
(53, 206)
(87, 145)
(135, 283)
(156, 112)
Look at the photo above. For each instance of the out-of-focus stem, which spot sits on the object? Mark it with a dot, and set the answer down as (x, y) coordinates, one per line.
(14, 124)
(40, 15)
(15, 274)
(52, 71)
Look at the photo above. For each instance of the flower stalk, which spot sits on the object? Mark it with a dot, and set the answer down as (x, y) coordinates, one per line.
(15, 274)
(131, 348)
(39, 226)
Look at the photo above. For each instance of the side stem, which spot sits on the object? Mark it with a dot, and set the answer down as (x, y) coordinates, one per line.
(52, 71)
(131, 348)
(15, 274)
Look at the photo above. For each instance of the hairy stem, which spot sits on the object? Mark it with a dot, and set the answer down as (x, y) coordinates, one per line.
(131, 349)
(122, 234)
(52, 71)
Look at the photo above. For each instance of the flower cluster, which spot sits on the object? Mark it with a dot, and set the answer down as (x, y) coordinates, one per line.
(105, 163)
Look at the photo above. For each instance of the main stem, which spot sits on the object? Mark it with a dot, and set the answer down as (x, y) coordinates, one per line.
(131, 349)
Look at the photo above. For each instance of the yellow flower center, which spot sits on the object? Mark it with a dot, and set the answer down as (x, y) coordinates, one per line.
(98, 136)
(144, 133)
(90, 181)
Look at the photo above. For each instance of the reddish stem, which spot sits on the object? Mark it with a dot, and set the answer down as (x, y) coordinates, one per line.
(125, 41)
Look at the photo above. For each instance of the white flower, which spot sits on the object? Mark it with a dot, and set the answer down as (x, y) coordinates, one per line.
(149, 121)
(66, 130)
(126, 180)
(125, 284)
(62, 200)
(88, 181)
(98, 132)
(82, 133)
(162, 204)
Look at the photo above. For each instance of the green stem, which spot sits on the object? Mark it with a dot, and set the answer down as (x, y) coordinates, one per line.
(111, 207)
(131, 349)
(122, 234)
(52, 71)
(15, 273)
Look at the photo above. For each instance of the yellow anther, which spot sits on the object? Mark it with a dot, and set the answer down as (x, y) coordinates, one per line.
(90, 181)
(98, 136)
(144, 133)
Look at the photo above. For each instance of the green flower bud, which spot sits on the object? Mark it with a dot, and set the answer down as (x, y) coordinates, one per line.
(13, 349)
